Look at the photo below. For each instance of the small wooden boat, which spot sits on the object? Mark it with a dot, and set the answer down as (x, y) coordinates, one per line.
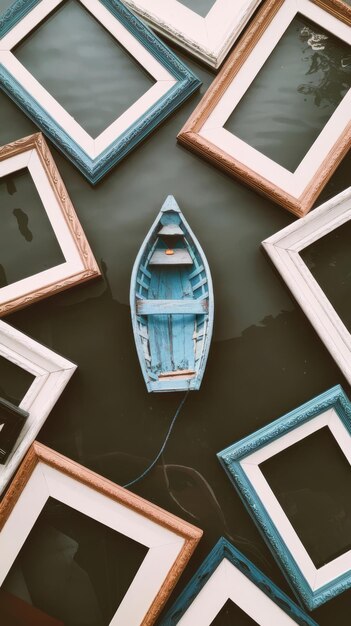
(171, 300)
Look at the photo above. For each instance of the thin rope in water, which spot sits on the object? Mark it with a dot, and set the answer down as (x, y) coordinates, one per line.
(149, 468)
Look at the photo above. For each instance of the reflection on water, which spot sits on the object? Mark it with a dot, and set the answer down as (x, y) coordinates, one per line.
(328, 259)
(202, 7)
(74, 568)
(312, 481)
(294, 94)
(83, 67)
(14, 381)
(231, 614)
(27, 241)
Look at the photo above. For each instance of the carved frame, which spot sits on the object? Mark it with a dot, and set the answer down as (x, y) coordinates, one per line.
(241, 462)
(208, 38)
(227, 574)
(284, 250)
(33, 153)
(94, 157)
(171, 541)
(51, 374)
(205, 134)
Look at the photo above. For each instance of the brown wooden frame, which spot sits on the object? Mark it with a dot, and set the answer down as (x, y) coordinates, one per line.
(39, 453)
(88, 266)
(190, 137)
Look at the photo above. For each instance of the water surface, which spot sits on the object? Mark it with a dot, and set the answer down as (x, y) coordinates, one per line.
(294, 94)
(265, 359)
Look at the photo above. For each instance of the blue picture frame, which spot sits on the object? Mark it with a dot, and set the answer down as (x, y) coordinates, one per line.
(95, 168)
(233, 459)
(225, 550)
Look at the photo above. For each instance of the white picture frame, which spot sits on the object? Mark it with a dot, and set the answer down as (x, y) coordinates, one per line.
(51, 374)
(33, 154)
(207, 38)
(226, 574)
(94, 156)
(315, 585)
(205, 130)
(170, 541)
(284, 250)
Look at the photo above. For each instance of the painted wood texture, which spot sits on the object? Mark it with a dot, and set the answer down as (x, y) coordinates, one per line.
(171, 304)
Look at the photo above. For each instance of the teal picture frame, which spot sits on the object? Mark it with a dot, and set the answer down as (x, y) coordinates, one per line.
(224, 550)
(95, 168)
(336, 404)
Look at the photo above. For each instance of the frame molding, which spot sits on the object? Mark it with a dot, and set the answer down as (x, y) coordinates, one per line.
(33, 153)
(51, 374)
(171, 541)
(284, 250)
(222, 576)
(207, 38)
(241, 461)
(94, 157)
(204, 133)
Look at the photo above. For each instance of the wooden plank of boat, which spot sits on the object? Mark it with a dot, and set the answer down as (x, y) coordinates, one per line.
(172, 305)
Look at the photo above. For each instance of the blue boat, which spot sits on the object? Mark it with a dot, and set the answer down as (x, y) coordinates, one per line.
(171, 299)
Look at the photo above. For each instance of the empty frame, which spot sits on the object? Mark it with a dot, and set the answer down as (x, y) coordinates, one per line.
(170, 541)
(205, 131)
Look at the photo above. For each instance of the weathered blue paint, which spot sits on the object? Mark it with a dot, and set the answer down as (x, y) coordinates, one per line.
(171, 306)
(95, 168)
(225, 550)
(231, 457)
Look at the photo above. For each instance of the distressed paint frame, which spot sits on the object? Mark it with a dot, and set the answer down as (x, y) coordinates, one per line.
(95, 157)
(314, 586)
(171, 541)
(207, 38)
(222, 576)
(204, 133)
(51, 374)
(33, 153)
(284, 249)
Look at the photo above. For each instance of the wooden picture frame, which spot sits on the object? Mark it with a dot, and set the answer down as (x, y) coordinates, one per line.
(241, 461)
(51, 374)
(284, 250)
(94, 157)
(33, 154)
(226, 574)
(171, 541)
(207, 38)
(204, 132)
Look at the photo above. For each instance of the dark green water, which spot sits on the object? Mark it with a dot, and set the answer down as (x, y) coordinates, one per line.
(27, 241)
(96, 92)
(308, 73)
(202, 7)
(265, 358)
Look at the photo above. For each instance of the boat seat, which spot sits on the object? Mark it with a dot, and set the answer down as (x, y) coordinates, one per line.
(177, 374)
(180, 256)
(171, 230)
(172, 307)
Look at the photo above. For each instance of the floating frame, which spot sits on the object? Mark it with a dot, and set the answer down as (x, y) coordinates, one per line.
(44, 473)
(241, 461)
(227, 574)
(33, 153)
(205, 134)
(94, 157)
(284, 250)
(207, 38)
(51, 374)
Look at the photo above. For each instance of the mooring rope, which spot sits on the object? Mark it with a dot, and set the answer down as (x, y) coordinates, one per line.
(149, 468)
